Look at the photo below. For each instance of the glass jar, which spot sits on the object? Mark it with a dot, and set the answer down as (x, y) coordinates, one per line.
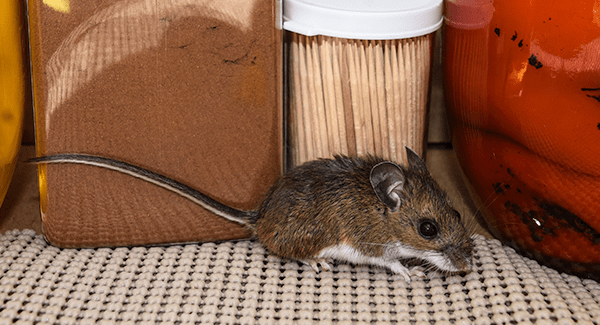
(522, 89)
(191, 90)
(12, 88)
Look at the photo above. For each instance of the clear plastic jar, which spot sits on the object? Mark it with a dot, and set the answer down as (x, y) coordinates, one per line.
(358, 76)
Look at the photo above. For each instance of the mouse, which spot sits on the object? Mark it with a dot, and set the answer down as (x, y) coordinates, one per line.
(358, 210)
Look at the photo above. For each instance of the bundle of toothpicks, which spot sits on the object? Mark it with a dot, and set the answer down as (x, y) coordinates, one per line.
(357, 97)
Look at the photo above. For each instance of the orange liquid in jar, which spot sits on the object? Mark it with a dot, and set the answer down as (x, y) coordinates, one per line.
(522, 85)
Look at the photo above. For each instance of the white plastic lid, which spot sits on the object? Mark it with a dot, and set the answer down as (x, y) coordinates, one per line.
(363, 19)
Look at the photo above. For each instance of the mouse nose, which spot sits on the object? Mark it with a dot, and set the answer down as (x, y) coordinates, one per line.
(465, 264)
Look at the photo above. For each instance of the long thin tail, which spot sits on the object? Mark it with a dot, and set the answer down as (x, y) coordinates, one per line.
(210, 204)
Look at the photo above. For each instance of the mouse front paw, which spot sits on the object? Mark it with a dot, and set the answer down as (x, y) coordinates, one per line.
(398, 268)
(418, 271)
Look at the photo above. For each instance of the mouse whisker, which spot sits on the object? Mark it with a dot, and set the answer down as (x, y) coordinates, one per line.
(430, 268)
(375, 244)
(496, 195)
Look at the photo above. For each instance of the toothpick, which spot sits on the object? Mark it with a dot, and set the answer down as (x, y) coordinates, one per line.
(306, 104)
(318, 93)
(334, 53)
(354, 75)
(347, 92)
(297, 128)
(381, 100)
(329, 96)
(390, 94)
(373, 99)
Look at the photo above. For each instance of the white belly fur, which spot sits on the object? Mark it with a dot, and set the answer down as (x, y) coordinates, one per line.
(390, 259)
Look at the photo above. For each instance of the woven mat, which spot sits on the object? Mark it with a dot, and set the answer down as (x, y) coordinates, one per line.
(238, 283)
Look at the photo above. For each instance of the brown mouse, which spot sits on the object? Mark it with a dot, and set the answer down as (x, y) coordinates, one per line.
(357, 210)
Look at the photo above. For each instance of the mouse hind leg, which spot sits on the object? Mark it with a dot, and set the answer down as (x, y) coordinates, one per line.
(323, 262)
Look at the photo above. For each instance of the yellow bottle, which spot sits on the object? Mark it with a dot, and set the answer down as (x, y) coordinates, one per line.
(11, 90)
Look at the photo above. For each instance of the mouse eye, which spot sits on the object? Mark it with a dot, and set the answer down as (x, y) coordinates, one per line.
(428, 229)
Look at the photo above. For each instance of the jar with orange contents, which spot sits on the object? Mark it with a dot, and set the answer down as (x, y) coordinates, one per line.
(522, 89)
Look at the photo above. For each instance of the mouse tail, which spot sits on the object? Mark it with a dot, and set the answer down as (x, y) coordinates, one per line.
(210, 204)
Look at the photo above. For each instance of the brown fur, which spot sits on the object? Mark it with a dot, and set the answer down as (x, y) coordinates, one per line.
(326, 202)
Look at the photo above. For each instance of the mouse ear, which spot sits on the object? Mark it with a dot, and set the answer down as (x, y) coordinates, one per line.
(387, 180)
(414, 161)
